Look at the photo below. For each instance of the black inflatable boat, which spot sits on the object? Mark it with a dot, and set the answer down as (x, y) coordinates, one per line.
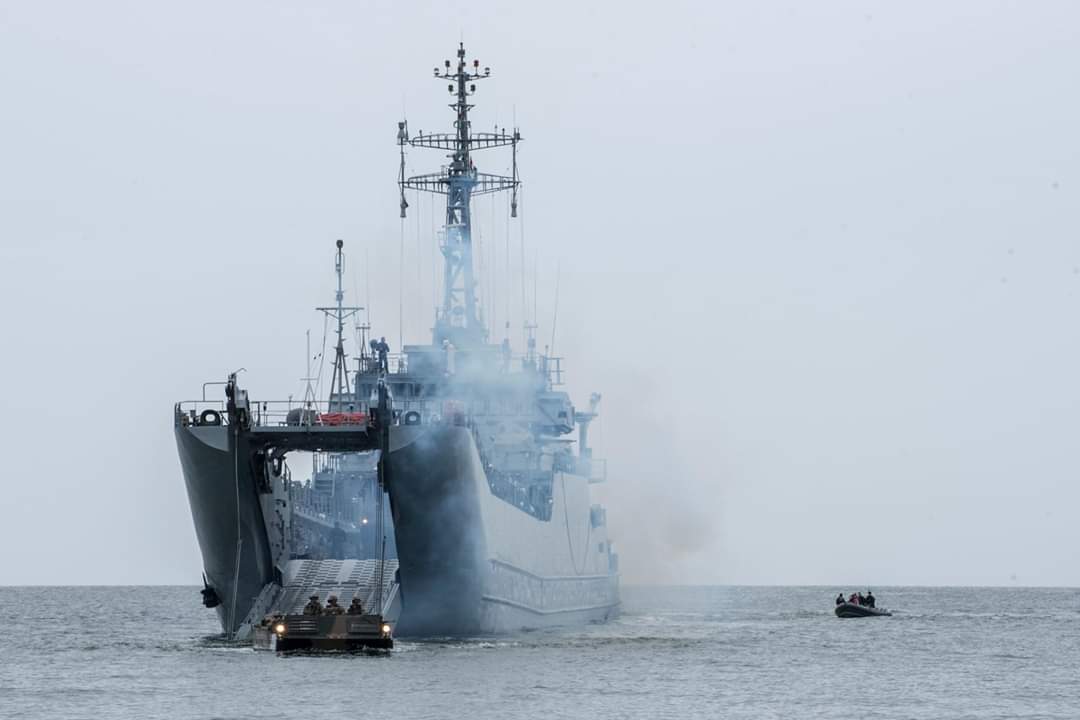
(851, 610)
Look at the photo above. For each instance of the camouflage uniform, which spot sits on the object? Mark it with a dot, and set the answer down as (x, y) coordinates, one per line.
(314, 607)
(332, 608)
(355, 608)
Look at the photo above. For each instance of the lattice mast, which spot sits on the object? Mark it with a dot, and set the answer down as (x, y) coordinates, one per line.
(459, 319)
(339, 382)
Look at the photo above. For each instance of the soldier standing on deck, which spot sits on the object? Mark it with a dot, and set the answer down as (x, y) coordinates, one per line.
(384, 350)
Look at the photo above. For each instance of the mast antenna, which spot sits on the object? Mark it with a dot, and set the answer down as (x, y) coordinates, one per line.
(309, 391)
(340, 395)
(459, 319)
(555, 314)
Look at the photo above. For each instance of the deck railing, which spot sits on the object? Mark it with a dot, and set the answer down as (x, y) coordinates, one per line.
(398, 363)
(276, 413)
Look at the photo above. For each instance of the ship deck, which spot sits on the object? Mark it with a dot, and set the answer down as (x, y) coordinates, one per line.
(314, 438)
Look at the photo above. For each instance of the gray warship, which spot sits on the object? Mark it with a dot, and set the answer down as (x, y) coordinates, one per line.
(451, 482)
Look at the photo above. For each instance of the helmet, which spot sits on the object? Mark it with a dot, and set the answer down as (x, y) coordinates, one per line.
(313, 597)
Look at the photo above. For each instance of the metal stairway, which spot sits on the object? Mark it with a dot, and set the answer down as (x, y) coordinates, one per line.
(344, 578)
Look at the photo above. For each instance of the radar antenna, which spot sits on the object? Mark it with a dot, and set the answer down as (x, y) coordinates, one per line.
(458, 319)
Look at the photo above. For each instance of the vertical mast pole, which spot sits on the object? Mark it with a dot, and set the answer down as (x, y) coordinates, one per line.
(339, 380)
(341, 375)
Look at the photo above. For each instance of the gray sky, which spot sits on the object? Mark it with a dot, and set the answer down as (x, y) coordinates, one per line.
(822, 260)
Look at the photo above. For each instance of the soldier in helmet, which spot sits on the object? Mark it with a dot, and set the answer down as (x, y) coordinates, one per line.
(332, 607)
(355, 607)
(314, 607)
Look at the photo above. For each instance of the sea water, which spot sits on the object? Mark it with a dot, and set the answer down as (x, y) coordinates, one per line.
(674, 652)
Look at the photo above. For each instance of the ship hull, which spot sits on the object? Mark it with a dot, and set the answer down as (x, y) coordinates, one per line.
(228, 519)
(470, 563)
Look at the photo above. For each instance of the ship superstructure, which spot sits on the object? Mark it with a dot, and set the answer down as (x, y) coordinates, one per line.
(471, 446)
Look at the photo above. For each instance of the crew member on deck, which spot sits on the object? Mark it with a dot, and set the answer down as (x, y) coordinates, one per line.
(869, 599)
(384, 350)
(332, 607)
(840, 599)
(355, 608)
(314, 607)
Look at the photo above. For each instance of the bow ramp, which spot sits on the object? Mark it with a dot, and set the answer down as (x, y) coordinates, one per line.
(344, 579)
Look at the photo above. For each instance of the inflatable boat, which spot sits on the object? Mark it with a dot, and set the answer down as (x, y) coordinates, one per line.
(851, 610)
